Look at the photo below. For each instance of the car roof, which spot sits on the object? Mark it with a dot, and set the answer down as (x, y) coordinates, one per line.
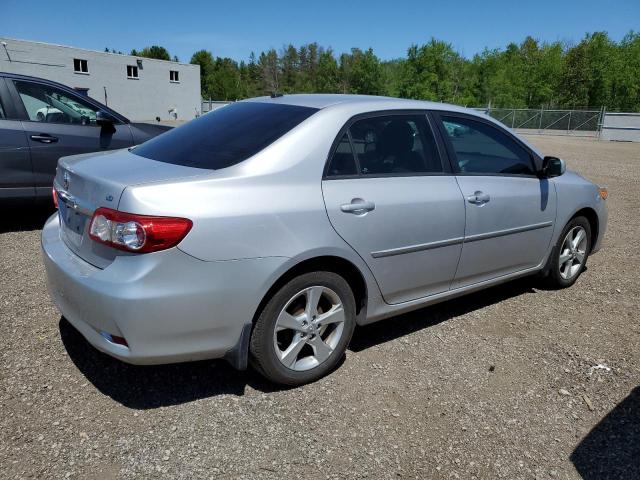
(363, 102)
(19, 76)
(359, 104)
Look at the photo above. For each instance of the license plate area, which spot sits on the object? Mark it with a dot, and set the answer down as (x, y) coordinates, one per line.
(73, 223)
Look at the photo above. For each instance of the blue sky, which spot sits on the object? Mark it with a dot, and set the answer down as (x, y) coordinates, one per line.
(235, 28)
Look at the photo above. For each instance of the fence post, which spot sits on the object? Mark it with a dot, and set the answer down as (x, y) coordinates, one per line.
(569, 124)
(513, 118)
(540, 122)
(603, 112)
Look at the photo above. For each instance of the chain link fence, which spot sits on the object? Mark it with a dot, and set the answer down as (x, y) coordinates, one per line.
(568, 122)
(210, 105)
(530, 120)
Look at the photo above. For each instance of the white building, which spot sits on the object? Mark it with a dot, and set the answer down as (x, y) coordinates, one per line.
(139, 88)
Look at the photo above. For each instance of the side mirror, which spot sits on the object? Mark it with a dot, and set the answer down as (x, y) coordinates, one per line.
(104, 119)
(552, 167)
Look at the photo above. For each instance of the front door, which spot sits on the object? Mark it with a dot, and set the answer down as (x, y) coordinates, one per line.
(60, 123)
(389, 197)
(510, 211)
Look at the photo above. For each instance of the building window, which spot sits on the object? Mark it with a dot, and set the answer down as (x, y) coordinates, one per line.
(173, 76)
(132, 71)
(80, 66)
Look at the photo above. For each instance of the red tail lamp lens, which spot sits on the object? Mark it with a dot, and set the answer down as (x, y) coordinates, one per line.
(137, 233)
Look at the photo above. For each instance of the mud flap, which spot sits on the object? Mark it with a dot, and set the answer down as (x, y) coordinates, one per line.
(238, 356)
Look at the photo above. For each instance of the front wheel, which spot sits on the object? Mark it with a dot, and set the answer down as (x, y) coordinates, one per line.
(570, 253)
(303, 331)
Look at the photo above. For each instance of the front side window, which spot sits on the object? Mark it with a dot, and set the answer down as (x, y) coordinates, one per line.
(483, 149)
(395, 144)
(50, 105)
(226, 136)
(80, 66)
(132, 71)
(173, 76)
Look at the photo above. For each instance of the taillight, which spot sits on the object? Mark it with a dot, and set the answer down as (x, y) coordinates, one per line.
(55, 197)
(137, 233)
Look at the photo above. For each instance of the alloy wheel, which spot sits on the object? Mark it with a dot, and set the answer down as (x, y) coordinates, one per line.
(573, 252)
(309, 328)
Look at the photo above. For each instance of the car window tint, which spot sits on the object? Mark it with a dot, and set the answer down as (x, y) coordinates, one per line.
(395, 144)
(51, 105)
(342, 162)
(226, 136)
(481, 148)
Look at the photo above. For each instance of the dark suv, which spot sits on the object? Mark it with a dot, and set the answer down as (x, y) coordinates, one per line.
(41, 121)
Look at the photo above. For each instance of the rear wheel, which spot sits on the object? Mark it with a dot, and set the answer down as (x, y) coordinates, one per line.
(303, 331)
(570, 253)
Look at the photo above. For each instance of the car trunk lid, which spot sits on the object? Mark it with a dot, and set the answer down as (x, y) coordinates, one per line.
(84, 183)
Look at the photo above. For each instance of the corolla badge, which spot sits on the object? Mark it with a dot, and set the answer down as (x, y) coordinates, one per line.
(65, 180)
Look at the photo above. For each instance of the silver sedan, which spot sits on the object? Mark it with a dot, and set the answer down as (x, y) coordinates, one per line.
(265, 231)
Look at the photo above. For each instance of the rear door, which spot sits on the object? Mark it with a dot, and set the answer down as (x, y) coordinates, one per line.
(16, 175)
(510, 211)
(58, 123)
(389, 196)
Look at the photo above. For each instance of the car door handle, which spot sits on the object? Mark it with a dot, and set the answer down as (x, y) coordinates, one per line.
(358, 206)
(44, 138)
(478, 198)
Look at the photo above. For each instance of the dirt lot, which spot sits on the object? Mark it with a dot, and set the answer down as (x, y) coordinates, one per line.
(500, 384)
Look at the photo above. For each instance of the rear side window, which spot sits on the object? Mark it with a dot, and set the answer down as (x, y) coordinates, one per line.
(483, 149)
(395, 144)
(2, 115)
(225, 136)
(342, 162)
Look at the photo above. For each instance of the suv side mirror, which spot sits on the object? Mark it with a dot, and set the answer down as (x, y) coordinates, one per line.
(552, 167)
(104, 119)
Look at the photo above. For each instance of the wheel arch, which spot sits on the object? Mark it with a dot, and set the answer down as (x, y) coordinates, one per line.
(326, 263)
(592, 217)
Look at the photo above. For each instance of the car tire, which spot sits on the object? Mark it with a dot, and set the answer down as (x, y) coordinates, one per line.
(293, 342)
(569, 255)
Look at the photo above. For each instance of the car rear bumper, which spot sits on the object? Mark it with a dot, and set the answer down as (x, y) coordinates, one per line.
(168, 306)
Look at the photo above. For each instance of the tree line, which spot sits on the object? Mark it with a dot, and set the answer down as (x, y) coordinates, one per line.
(595, 72)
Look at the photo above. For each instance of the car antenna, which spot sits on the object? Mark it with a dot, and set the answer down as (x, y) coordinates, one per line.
(276, 95)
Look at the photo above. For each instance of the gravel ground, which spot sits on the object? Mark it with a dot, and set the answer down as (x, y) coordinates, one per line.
(499, 384)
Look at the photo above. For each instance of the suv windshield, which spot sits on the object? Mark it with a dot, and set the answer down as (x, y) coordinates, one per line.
(226, 136)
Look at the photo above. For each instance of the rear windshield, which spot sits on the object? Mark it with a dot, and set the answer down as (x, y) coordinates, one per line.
(226, 136)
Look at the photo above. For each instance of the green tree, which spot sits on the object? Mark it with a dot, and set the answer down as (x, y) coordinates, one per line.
(206, 62)
(597, 71)
(270, 70)
(153, 51)
(361, 72)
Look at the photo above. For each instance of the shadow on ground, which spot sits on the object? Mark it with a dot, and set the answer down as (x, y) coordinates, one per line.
(146, 387)
(612, 448)
(401, 325)
(25, 217)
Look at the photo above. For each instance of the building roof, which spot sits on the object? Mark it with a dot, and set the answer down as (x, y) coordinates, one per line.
(93, 52)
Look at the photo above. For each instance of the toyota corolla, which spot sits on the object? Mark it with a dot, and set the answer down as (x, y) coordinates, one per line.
(265, 231)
